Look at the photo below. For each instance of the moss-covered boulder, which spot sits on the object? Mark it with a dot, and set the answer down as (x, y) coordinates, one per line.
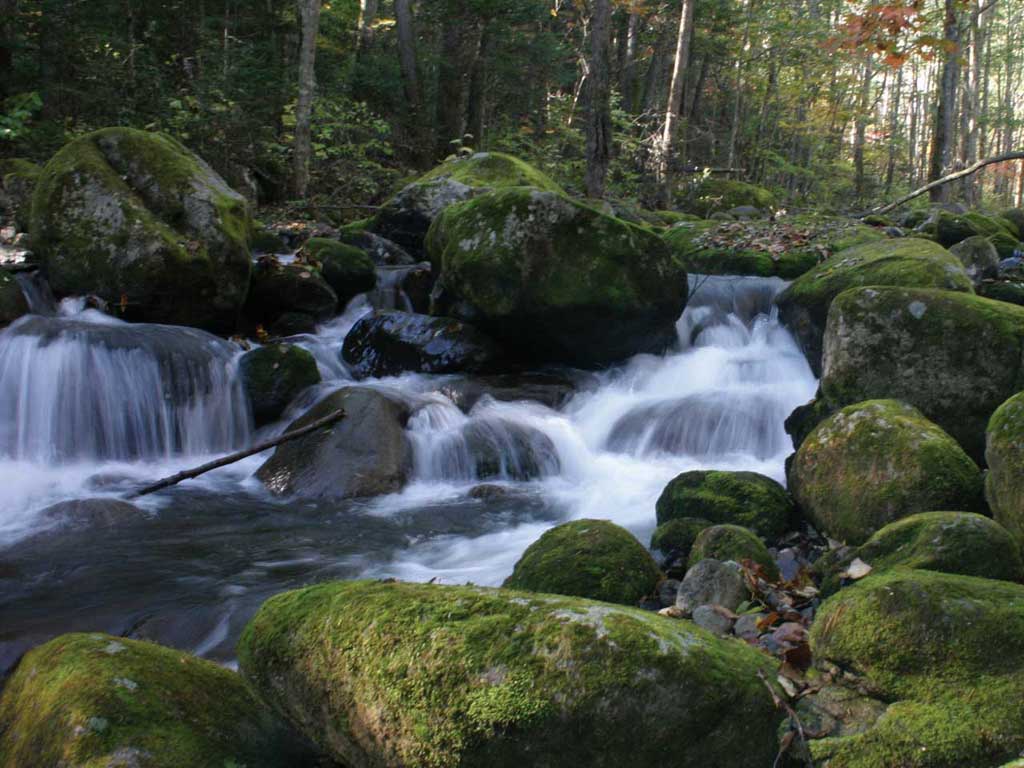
(18, 180)
(954, 356)
(367, 453)
(555, 279)
(91, 700)
(1007, 289)
(732, 542)
(804, 305)
(945, 656)
(979, 257)
(587, 558)
(391, 674)
(12, 300)
(407, 216)
(676, 536)
(391, 343)
(951, 542)
(347, 269)
(740, 498)
(1006, 245)
(951, 228)
(279, 289)
(875, 462)
(719, 195)
(1014, 218)
(1004, 452)
(786, 247)
(142, 222)
(273, 375)
(381, 251)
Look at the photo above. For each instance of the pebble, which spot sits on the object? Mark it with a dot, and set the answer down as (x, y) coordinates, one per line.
(746, 626)
(706, 616)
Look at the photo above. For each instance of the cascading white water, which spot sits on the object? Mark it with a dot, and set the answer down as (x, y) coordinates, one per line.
(91, 387)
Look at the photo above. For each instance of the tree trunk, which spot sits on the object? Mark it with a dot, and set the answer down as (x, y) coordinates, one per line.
(942, 137)
(894, 133)
(8, 12)
(367, 17)
(675, 95)
(599, 119)
(972, 101)
(737, 98)
(860, 131)
(476, 103)
(410, 75)
(309, 23)
(459, 41)
(628, 84)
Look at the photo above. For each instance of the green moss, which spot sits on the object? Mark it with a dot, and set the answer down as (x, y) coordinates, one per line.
(954, 356)
(677, 535)
(951, 542)
(1005, 244)
(347, 269)
(357, 227)
(740, 498)
(723, 194)
(426, 675)
(587, 558)
(1013, 218)
(491, 170)
(1004, 483)
(273, 375)
(874, 220)
(265, 241)
(93, 700)
(732, 542)
(671, 218)
(945, 652)
(875, 462)
(1010, 291)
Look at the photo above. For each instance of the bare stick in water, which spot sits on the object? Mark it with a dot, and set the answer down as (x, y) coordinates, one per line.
(188, 474)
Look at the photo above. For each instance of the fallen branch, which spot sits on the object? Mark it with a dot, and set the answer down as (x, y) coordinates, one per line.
(1018, 155)
(780, 703)
(188, 474)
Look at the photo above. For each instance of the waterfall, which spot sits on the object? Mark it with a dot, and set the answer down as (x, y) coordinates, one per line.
(94, 388)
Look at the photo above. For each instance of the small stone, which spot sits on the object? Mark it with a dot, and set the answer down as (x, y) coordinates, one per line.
(746, 626)
(113, 648)
(672, 612)
(712, 582)
(712, 620)
(98, 724)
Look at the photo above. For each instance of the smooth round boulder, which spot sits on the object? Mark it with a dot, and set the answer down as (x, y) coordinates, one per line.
(732, 542)
(954, 356)
(366, 453)
(92, 513)
(741, 498)
(406, 218)
(979, 257)
(943, 653)
(391, 343)
(18, 180)
(875, 462)
(587, 558)
(140, 221)
(347, 269)
(555, 280)
(392, 674)
(96, 700)
(712, 582)
(279, 289)
(273, 375)
(1004, 452)
(951, 542)
(804, 305)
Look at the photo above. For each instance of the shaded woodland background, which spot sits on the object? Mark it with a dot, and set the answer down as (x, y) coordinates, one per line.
(836, 105)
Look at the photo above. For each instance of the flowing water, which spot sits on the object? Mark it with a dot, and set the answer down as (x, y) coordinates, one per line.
(92, 406)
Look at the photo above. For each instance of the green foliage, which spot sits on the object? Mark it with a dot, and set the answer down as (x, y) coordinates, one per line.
(17, 115)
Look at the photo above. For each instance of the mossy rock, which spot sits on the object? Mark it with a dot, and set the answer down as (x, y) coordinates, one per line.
(142, 222)
(874, 220)
(948, 354)
(979, 257)
(392, 674)
(1004, 452)
(1005, 245)
(278, 289)
(587, 558)
(91, 700)
(18, 179)
(407, 216)
(1008, 290)
(555, 279)
(265, 241)
(944, 653)
(273, 375)
(804, 418)
(804, 305)
(732, 542)
(671, 218)
(1014, 218)
(952, 542)
(786, 247)
(739, 498)
(348, 270)
(720, 195)
(12, 300)
(675, 537)
(878, 461)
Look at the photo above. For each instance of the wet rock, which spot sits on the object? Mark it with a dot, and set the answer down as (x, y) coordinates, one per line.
(273, 375)
(732, 542)
(876, 462)
(279, 288)
(93, 699)
(348, 270)
(555, 280)
(944, 353)
(505, 678)
(383, 252)
(739, 498)
(293, 324)
(587, 558)
(488, 492)
(365, 454)
(712, 582)
(979, 257)
(804, 305)
(90, 514)
(12, 300)
(713, 621)
(141, 221)
(550, 389)
(390, 343)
